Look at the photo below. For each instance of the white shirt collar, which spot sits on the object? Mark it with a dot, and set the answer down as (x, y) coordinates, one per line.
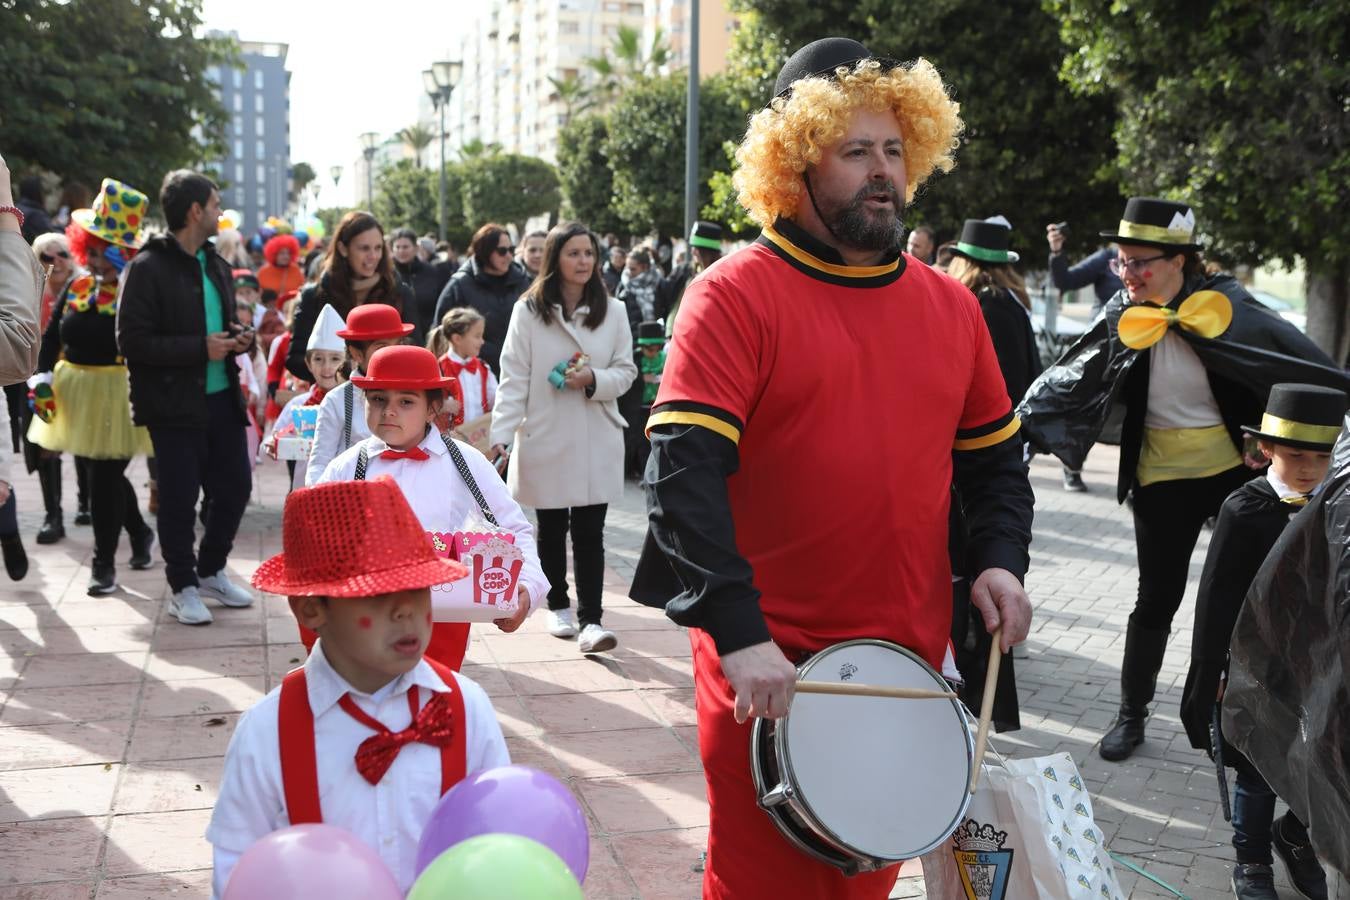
(432, 443)
(326, 687)
(456, 357)
(1283, 490)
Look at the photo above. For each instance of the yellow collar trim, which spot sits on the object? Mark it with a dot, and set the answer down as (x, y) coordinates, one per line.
(814, 262)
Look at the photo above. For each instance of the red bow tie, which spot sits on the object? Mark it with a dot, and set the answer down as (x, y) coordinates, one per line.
(473, 366)
(433, 725)
(416, 453)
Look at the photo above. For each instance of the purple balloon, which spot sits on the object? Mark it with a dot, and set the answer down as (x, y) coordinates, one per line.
(310, 862)
(509, 800)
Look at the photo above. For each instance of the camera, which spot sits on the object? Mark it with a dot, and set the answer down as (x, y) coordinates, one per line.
(1062, 227)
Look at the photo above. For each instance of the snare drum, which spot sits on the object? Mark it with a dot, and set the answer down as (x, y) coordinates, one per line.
(865, 782)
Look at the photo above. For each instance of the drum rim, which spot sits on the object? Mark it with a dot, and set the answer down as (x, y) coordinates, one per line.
(802, 805)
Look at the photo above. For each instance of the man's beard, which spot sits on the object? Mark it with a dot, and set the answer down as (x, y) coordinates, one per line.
(855, 225)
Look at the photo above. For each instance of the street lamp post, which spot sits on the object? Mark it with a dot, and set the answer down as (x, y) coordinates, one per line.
(336, 173)
(370, 141)
(314, 190)
(440, 81)
(691, 128)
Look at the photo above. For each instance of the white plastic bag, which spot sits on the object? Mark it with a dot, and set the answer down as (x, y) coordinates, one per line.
(1029, 832)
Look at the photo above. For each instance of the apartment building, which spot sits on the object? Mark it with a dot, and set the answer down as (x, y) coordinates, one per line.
(257, 163)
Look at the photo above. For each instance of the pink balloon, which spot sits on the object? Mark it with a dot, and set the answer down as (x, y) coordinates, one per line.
(310, 862)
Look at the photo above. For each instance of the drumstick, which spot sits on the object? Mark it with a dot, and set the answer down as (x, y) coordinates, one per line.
(871, 690)
(987, 706)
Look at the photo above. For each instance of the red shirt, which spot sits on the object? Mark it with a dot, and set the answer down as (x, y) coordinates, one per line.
(847, 390)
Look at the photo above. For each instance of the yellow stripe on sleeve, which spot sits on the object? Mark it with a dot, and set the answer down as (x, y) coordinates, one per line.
(989, 440)
(703, 420)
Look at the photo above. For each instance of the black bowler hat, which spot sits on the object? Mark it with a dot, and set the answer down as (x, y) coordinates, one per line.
(986, 242)
(1151, 222)
(822, 58)
(651, 333)
(1302, 415)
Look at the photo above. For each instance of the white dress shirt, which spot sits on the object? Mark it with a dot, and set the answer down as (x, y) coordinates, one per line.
(388, 816)
(472, 386)
(328, 435)
(441, 500)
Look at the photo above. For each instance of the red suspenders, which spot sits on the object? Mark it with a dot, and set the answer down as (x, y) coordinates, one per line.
(299, 766)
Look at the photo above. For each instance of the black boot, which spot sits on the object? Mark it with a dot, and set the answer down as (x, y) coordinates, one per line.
(49, 476)
(16, 560)
(1144, 649)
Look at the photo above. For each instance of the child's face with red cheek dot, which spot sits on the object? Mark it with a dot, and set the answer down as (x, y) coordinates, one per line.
(370, 641)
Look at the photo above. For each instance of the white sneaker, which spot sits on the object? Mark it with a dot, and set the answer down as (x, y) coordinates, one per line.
(188, 608)
(595, 639)
(561, 623)
(222, 589)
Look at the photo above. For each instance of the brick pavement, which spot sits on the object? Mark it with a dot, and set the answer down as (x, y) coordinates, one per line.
(113, 718)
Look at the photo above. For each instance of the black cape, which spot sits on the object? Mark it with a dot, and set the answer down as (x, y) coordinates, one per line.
(1287, 706)
(1066, 408)
(1249, 523)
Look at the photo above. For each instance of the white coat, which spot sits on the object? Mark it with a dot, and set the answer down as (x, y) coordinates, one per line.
(566, 448)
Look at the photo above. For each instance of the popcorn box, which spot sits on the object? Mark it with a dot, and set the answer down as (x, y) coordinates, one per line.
(293, 447)
(489, 590)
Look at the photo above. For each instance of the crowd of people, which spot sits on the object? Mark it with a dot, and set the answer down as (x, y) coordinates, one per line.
(545, 368)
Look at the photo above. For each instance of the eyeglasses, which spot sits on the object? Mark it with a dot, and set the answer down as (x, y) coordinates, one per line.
(503, 251)
(1134, 266)
(49, 260)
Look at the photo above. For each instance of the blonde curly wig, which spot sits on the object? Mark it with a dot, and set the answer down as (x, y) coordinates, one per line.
(792, 133)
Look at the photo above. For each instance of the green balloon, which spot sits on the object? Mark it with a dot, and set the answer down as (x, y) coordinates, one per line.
(497, 867)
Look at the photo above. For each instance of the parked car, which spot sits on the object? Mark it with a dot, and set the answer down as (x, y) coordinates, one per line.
(1284, 308)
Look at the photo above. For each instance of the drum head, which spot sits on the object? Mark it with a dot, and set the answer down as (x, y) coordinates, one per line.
(888, 778)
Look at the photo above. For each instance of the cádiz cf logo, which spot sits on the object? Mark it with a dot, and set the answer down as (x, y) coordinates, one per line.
(980, 858)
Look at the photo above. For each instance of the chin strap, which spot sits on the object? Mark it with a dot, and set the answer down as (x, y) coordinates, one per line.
(806, 180)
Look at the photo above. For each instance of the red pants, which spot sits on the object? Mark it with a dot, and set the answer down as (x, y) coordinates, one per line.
(449, 642)
(748, 859)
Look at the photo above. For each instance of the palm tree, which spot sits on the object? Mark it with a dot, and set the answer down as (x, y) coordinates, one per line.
(630, 63)
(573, 94)
(418, 138)
(476, 148)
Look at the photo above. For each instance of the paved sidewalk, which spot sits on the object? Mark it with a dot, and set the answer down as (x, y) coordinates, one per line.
(114, 718)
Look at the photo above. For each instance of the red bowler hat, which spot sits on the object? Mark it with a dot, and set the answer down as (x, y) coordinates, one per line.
(402, 368)
(374, 322)
(353, 539)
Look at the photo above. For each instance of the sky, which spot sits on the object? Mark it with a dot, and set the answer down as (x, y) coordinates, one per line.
(382, 48)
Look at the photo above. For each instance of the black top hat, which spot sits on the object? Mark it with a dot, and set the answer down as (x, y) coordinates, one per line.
(821, 58)
(1302, 415)
(651, 333)
(707, 235)
(985, 242)
(1156, 223)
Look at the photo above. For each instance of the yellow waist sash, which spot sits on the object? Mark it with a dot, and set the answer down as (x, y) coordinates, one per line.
(1171, 454)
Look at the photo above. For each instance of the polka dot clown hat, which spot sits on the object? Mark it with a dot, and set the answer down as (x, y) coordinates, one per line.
(353, 539)
(117, 215)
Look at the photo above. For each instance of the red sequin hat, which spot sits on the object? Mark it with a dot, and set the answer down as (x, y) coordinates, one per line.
(353, 539)
(403, 368)
(374, 322)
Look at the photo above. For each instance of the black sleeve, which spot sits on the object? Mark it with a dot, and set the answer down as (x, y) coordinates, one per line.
(692, 534)
(306, 314)
(50, 351)
(997, 501)
(1068, 278)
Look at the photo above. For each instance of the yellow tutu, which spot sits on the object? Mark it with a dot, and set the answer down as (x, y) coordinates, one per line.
(93, 415)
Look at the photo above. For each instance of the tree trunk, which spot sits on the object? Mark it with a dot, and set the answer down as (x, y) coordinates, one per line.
(1328, 292)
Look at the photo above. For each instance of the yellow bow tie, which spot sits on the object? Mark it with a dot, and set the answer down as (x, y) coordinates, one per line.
(1206, 313)
(1296, 500)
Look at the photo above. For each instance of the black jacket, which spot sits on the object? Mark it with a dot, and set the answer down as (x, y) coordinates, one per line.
(1250, 521)
(492, 295)
(35, 219)
(1014, 341)
(313, 298)
(161, 331)
(426, 283)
